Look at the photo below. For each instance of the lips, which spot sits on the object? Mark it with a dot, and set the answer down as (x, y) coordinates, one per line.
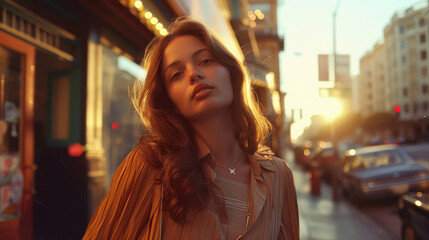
(199, 88)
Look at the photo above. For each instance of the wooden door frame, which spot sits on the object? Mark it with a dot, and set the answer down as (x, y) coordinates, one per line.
(26, 144)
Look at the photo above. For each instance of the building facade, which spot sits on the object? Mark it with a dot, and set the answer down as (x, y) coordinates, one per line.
(372, 82)
(395, 74)
(65, 71)
(407, 64)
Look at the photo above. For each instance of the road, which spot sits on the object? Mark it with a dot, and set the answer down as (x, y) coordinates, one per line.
(385, 213)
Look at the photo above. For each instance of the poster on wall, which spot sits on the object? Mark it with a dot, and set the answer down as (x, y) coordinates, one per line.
(11, 186)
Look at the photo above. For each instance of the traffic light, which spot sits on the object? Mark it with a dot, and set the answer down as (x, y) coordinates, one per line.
(397, 111)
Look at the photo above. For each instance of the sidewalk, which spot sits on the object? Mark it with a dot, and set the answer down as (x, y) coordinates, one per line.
(323, 219)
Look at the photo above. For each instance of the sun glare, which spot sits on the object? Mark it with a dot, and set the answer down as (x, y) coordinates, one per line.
(297, 128)
(329, 107)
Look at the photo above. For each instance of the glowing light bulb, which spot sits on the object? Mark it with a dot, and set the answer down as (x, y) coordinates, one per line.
(154, 20)
(138, 4)
(148, 15)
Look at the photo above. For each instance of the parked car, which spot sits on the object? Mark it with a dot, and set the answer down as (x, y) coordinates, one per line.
(323, 155)
(414, 212)
(302, 153)
(383, 171)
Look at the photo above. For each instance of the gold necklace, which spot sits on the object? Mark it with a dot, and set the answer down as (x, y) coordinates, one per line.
(231, 170)
(247, 216)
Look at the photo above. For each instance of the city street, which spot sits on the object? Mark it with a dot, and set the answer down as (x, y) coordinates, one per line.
(323, 218)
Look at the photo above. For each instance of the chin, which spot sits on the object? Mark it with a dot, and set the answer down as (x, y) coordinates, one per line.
(208, 110)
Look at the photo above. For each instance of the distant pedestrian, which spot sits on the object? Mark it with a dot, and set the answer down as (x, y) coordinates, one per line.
(201, 172)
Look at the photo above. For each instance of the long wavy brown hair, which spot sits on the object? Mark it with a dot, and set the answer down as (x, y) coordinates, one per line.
(170, 145)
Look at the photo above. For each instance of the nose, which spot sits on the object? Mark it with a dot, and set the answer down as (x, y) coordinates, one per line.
(195, 75)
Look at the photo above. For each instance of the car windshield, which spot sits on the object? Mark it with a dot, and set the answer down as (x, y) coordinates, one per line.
(376, 159)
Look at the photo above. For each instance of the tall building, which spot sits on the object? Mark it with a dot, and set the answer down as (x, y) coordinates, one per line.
(407, 63)
(372, 82)
(395, 73)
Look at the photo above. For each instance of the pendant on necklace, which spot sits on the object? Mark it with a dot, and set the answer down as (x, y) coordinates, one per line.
(231, 171)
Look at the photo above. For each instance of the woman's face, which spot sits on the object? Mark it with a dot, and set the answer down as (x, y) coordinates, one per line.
(196, 83)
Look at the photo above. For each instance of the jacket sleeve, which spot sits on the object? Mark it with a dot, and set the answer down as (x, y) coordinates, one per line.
(289, 228)
(131, 208)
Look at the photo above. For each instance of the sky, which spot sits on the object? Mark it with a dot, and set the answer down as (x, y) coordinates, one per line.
(307, 28)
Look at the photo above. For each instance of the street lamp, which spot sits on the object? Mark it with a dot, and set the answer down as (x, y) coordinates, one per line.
(333, 113)
(334, 141)
(334, 55)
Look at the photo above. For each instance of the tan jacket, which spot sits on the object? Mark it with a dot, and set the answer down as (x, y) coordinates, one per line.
(132, 207)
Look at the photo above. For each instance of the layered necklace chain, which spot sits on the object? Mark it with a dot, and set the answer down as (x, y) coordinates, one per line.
(231, 170)
(247, 216)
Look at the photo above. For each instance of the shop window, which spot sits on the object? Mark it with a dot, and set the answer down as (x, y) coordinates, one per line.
(422, 38)
(11, 105)
(423, 55)
(61, 112)
(64, 110)
(121, 124)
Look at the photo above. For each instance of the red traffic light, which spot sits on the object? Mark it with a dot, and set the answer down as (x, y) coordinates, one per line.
(397, 108)
(75, 149)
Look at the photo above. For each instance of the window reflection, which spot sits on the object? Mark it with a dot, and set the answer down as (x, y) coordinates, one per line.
(121, 124)
(377, 159)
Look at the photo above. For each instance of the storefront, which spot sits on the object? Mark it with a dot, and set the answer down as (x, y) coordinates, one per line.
(16, 135)
(65, 71)
(38, 76)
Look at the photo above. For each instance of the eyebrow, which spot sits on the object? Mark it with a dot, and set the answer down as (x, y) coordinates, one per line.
(196, 53)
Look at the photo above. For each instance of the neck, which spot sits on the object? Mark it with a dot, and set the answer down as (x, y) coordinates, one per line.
(218, 133)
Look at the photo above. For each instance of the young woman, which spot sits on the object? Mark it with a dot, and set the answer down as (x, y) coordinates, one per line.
(202, 171)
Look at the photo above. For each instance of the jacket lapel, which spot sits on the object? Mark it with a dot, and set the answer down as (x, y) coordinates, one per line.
(262, 169)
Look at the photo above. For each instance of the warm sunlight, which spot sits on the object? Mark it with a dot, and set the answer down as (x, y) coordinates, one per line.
(297, 128)
(330, 108)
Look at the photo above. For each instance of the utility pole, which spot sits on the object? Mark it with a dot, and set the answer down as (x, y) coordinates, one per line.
(335, 165)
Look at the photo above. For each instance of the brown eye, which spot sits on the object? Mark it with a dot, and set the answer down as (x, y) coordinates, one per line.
(205, 61)
(176, 76)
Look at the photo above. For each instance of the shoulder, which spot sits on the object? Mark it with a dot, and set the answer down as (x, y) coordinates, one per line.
(134, 186)
(269, 161)
(141, 160)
